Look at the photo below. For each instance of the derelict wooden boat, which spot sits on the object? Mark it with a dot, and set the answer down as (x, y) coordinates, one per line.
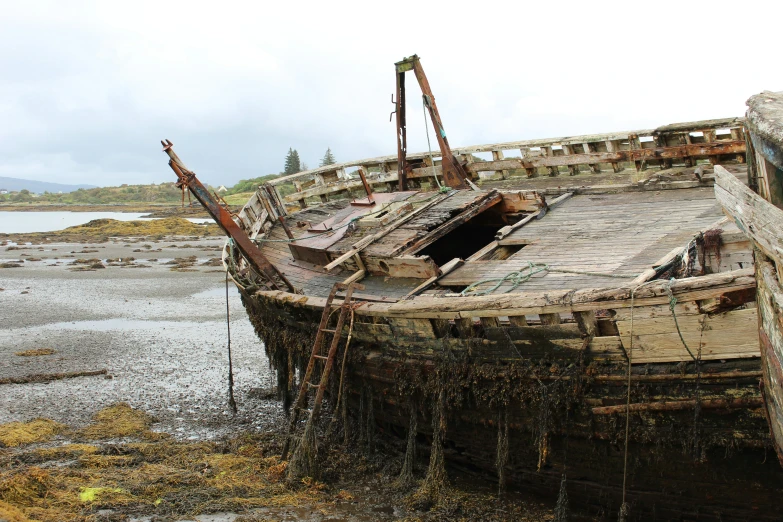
(589, 280)
(758, 213)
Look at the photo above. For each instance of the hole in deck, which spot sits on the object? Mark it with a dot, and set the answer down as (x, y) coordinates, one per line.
(467, 239)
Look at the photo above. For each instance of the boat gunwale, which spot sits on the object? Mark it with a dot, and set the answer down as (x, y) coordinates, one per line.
(538, 302)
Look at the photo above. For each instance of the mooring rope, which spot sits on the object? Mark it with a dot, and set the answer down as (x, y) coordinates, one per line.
(427, 131)
(672, 303)
(524, 275)
(231, 401)
(625, 508)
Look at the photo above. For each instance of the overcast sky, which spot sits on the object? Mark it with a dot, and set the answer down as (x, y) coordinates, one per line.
(87, 89)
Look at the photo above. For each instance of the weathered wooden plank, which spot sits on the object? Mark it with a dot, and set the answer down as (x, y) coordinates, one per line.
(364, 242)
(759, 219)
(443, 270)
(491, 199)
(411, 328)
(505, 305)
(521, 201)
(639, 154)
(416, 267)
(770, 307)
(723, 336)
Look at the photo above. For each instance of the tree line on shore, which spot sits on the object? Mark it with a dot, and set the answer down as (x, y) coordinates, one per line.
(162, 192)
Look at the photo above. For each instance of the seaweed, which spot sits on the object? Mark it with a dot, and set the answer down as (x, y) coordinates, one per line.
(406, 478)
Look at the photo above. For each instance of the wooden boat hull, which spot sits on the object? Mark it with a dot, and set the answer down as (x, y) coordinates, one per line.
(535, 382)
(558, 399)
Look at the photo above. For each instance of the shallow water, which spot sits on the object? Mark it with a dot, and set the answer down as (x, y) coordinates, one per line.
(26, 222)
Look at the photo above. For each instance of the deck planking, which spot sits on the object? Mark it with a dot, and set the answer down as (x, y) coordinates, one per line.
(617, 234)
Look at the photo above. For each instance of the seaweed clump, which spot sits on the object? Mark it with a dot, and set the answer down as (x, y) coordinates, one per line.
(37, 430)
(162, 477)
(118, 421)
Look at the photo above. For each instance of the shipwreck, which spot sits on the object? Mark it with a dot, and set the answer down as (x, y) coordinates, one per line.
(574, 312)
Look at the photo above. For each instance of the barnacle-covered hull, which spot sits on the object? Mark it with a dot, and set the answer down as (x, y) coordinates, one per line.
(546, 410)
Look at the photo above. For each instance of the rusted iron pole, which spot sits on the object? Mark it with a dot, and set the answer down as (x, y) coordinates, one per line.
(223, 218)
(367, 187)
(402, 138)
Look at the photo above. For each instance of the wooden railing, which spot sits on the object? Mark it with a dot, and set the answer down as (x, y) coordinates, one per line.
(719, 141)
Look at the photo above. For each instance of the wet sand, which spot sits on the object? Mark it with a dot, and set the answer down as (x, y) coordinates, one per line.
(160, 334)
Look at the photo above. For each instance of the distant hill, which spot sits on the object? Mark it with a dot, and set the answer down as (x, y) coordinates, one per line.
(39, 187)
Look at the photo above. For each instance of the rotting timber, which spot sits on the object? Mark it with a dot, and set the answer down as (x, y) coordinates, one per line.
(521, 324)
(756, 210)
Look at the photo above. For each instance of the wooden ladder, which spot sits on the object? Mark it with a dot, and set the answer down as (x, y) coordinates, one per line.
(345, 310)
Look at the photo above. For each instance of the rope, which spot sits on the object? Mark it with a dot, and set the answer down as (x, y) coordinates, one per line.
(427, 131)
(335, 414)
(524, 275)
(672, 303)
(231, 401)
(624, 509)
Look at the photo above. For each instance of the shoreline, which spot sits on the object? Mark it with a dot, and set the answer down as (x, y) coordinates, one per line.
(152, 209)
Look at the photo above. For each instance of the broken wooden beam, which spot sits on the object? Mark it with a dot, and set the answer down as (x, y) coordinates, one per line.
(491, 199)
(445, 269)
(364, 242)
(745, 402)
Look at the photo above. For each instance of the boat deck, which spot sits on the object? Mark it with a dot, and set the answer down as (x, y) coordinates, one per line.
(315, 281)
(618, 234)
(622, 234)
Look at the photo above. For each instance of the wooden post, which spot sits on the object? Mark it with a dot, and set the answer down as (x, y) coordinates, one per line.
(709, 137)
(595, 167)
(550, 319)
(517, 320)
(573, 170)
(660, 141)
(588, 326)
(738, 135)
(489, 322)
(613, 146)
(464, 327)
(497, 155)
(688, 160)
(531, 171)
(635, 144)
(549, 153)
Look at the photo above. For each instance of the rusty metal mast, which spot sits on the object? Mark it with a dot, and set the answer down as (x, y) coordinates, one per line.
(245, 245)
(454, 174)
